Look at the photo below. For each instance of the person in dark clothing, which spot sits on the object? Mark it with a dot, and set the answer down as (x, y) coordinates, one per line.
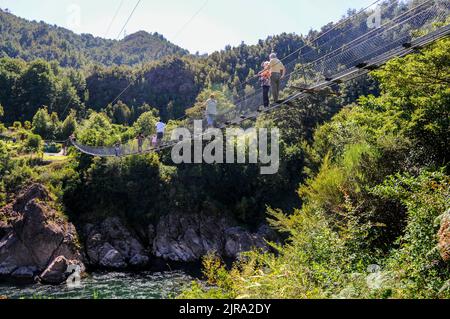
(140, 139)
(117, 149)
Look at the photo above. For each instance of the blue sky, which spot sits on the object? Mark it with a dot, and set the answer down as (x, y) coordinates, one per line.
(219, 23)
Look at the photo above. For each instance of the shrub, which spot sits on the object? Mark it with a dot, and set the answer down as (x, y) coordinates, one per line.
(27, 125)
(34, 143)
(17, 125)
(418, 267)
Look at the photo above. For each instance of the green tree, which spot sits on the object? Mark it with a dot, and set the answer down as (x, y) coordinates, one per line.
(66, 97)
(69, 126)
(374, 195)
(17, 125)
(42, 123)
(419, 87)
(55, 125)
(146, 124)
(96, 130)
(119, 113)
(10, 72)
(34, 143)
(27, 125)
(38, 84)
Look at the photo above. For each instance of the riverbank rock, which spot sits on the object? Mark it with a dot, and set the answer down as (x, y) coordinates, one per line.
(238, 240)
(444, 237)
(24, 274)
(188, 237)
(111, 245)
(34, 235)
(57, 272)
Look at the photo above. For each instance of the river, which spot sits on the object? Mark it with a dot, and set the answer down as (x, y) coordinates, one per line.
(144, 285)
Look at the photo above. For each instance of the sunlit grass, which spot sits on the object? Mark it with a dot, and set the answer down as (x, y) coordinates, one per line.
(54, 158)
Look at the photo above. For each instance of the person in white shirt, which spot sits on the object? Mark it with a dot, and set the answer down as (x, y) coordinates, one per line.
(211, 111)
(278, 72)
(154, 140)
(160, 129)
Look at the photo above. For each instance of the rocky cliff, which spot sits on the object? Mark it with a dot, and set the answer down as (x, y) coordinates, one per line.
(37, 244)
(177, 237)
(33, 236)
(189, 237)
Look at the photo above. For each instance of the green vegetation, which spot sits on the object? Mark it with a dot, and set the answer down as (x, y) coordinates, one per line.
(14, 172)
(377, 185)
(30, 40)
(363, 177)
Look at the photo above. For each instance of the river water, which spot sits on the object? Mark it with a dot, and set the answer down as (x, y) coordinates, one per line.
(144, 285)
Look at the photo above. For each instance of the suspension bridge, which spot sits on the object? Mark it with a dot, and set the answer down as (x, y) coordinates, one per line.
(417, 25)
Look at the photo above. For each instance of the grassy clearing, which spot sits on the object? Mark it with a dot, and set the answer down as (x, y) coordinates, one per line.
(54, 158)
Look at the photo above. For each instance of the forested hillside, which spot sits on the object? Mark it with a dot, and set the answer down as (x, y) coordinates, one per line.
(30, 40)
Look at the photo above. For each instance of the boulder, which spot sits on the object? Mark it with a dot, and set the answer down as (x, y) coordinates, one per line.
(139, 261)
(6, 270)
(110, 258)
(33, 235)
(444, 237)
(57, 273)
(24, 274)
(238, 240)
(268, 233)
(111, 245)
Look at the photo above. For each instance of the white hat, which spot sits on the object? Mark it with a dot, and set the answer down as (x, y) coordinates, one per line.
(273, 55)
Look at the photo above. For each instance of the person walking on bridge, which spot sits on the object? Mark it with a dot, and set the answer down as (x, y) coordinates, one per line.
(160, 130)
(278, 72)
(140, 139)
(265, 82)
(154, 140)
(211, 111)
(117, 149)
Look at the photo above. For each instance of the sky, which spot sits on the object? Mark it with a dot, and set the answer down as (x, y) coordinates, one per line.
(197, 25)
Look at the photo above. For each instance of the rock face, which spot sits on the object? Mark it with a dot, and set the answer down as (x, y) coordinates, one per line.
(57, 271)
(189, 237)
(111, 245)
(238, 240)
(186, 238)
(444, 237)
(33, 236)
(37, 244)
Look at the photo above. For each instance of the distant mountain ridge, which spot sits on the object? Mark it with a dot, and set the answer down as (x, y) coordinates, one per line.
(29, 40)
